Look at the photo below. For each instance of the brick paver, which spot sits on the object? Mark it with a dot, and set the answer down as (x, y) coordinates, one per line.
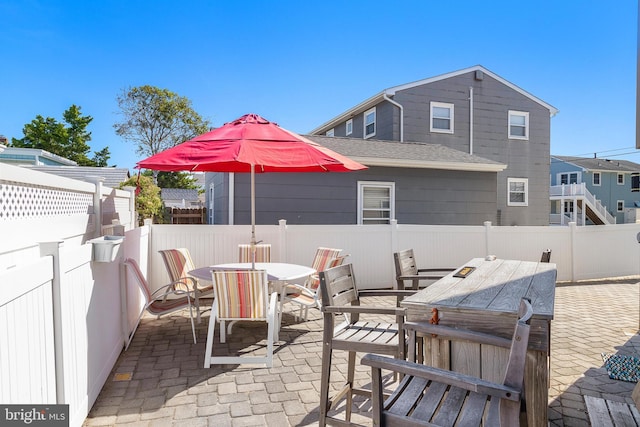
(170, 387)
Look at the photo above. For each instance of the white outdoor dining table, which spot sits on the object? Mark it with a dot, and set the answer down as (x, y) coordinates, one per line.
(277, 272)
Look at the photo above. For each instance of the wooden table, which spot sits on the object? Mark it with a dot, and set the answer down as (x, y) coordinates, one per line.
(487, 301)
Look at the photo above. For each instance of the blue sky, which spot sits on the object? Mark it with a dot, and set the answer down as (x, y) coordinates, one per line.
(302, 63)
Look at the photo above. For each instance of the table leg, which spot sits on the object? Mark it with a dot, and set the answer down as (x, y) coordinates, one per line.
(536, 384)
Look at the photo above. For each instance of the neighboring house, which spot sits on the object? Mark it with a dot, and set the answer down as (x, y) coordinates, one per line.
(594, 190)
(32, 156)
(180, 198)
(473, 111)
(414, 183)
(110, 177)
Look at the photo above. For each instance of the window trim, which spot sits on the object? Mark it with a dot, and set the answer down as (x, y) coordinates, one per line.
(378, 184)
(364, 123)
(618, 207)
(348, 127)
(450, 107)
(568, 174)
(593, 179)
(618, 179)
(524, 114)
(526, 191)
(331, 132)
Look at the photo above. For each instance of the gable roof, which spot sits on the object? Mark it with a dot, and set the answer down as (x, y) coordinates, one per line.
(599, 164)
(376, 99)
(112, 177)
(178, 194)
(376, 152)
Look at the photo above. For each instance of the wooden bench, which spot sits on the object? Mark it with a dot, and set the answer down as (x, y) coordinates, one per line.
(608, 413)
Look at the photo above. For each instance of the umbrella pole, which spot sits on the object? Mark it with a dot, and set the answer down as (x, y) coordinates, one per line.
(253, 216)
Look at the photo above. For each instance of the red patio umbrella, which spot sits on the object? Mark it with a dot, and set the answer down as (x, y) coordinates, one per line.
(250, 144)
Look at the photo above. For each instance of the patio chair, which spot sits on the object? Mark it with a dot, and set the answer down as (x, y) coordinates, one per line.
(406, 269)
(546, 256)
(307, 295)
(428, 396)
(241, 295)
(263, 252)
(157, 303)
(340, 295)
(178, 263)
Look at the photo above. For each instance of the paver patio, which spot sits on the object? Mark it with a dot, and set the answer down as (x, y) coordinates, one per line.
(169, 387)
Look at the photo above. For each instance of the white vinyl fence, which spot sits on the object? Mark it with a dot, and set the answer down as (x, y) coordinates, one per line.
(579, 252)
(64, 316)
(41, 207)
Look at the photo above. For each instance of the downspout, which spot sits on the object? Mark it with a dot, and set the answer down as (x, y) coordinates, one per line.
(391, 101)
(232, 180)
(471, 120)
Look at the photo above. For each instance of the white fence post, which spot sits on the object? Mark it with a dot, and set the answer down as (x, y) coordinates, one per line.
(282, 240)
(487, 238)
(97, 205)
(394, 236)
(133, 221)
(53, 249)
(572, 252)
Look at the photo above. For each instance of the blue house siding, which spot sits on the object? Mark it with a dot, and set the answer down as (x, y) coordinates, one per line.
(609, 191)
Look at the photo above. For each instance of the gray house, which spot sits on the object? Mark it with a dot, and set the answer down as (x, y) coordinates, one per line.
(594, 190)
(473, 111)
(415, 183)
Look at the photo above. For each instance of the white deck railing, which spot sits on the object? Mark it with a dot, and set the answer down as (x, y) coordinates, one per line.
(580, 191)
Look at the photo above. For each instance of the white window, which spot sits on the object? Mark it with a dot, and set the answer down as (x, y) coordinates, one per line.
(517, 192)
(441, 117)
(620, 179)
(569, 178)
(376, 202)
(330, 132)
(518, 125)
(596, 178)
(620, 205)
(370, 123)
(568, 207)
(349, 127)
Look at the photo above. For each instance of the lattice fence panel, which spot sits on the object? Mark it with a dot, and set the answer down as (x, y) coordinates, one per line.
(22, 202)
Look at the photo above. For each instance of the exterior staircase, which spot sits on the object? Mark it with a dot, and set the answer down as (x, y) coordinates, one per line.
(586, 206)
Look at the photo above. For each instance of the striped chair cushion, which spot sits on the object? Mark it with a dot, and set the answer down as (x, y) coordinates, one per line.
(241, 294)
(263, 253)
(178, 262)
(325, 258)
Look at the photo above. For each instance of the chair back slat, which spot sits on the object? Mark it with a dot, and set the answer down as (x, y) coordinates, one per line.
(338, 286)
(241, 294)
(263, 252)
(405, 263)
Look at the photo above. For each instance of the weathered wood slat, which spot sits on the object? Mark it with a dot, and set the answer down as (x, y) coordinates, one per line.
(430, 402)
(451, 406)
(598, 412)
(620, 413)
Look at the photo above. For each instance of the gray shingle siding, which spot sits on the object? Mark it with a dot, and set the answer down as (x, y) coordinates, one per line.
(492, 101)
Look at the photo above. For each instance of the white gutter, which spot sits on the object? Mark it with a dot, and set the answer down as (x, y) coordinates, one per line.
(471, 120)
(456, 166)
(401, 108)
(232, 181)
